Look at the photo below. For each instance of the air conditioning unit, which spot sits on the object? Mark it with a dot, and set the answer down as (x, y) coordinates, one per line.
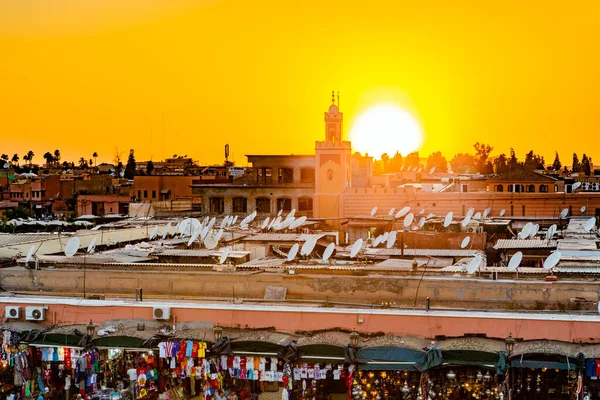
(161, 313)
(35, 313)
(13, 312)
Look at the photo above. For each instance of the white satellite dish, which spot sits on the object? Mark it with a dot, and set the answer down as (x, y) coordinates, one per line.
(298, 222)
(448, 219)
(486, 212)
(465, 242)
(285, 223)
(576, 185)
(246, 220)
(409, 168)
(234, 220)
(590, 224)
(224, 222)
(564, 213)
(328, 251)
(292, 213)
(391, 240)
(272, 223)
(254, 214)
(422, 222)
(477, 215)
(526, 230)
(552, 260)
(402, 212)
(90, 248)
(515, 261)
(165, 230)
(308, 246)
(194, 236)
(551, 231)
(377, 241)
(582, 209)
(392, 211)
(502, 212)
(6, 165)
(466, 221)
(210, 242)
(534, 230)
(421, 212)
(474, 264)
(356, 248)
(275, 222)
(280, 212)
(430, 215)
(265, 223)
(432, 170)
(408, 220)
(203, 232)
(153, 233)
(224, 255)
(420, 169)
(219, 235)
(176, 230)
(72, 246)
(211, 223)
(373, 211)
(30, 253)
(470, 213)
(293, 251)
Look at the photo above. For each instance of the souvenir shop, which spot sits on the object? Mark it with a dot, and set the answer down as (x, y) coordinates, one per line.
(15, 365)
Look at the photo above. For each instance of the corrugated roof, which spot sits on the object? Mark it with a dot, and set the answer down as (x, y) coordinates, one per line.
(525, 244)
(422, 252)
(199, 253)
(576, 244)
(284, 237)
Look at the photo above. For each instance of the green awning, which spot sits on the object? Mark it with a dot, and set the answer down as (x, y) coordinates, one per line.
(56, 340)
(327, 350)
(388, 366)
(543, 364)
(125, 342)
(470, 357)
(241, 347)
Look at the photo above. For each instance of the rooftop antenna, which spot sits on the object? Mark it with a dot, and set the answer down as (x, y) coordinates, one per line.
(211, 242)
(408, 220)
(575, 186)
(72, 246)
(224, 255)
(356, 248)
(308, 246)
(465, 242)
(524, 234)
(515, 261)
(226, 154)
(552, 260)
(402, 212)
(590, 224)
(391, 240)
(448, 219)
(328, 251)
(582, 209)
(474, 264)
(338, 99)
(91, 246)
(502, 212)
(293, 252)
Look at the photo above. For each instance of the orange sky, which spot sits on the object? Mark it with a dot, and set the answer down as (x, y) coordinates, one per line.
(86, 76)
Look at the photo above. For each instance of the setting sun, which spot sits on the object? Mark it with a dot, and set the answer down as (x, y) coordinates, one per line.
(386, 129)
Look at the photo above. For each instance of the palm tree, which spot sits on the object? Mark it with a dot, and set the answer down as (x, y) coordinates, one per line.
(82, 162)
(95, 155)
(30, 155)
(4, 157)
(15, 159)
(49, 158)
(56, 156)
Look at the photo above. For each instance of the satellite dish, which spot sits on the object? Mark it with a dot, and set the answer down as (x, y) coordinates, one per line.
(233, 221)
(272, 223)
(465, 242)
(90, 248)
(474, 264)
(421, 212)
(477, 215)
(194, 236)
(153, 233)
(210, 242)
(356, 248)
(420, 169)
(254, 214)
(328, 251)
(377, 241)
(298, 222)
(275, 222)
(469, 213)
(224, 222)
(582, 209)
(466, 221)
(219, 235)
(72, 246)
(448, 219)
(408, 220)
(564, 213)
(185, 226)
(534, 230)
(308, 246)
(293, 251)
(551, 231)
(211, 223)
(246, 220)
(515, 261)
(292, 213)
(526, 230)
(486, 212)
(392, 211)
(590, 224)
(285, 223)
(422, 222)
(409, 168)
(373, 211)
(279, 213)
(430, 215)
(176, 230)
(385, 236)
(203, 232)
(576, 186)
(224, 255)
(402, 212)
(502, 212)
(391, 240)
(432, 170)
(30, 253)
(165, 230)
(6, 165)
(265, 223)
(552, 260)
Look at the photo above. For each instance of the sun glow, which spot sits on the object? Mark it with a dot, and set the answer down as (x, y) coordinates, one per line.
(386, 129)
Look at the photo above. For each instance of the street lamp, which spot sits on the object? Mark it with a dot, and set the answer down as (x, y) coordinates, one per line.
(91, 329)
(509, 342)
(218, 332)
(353, 337)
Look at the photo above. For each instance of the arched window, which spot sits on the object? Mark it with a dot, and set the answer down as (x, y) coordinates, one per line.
(543, 188)
(500, 188)
(263, 205)
(531, 188)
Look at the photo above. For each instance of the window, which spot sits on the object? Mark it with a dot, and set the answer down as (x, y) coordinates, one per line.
(284, 203)
(305, 204)
(307, 175)
(139, 194)
(500, 188)
(154, 194)
(145, 194)
(217, 205)
(263, 205)
(523, 210)
(240, 204)
(530, 188)
(286, 175)
(556, 188)
(511, 188)
(263, 175)
(329, 174)
(543, 188)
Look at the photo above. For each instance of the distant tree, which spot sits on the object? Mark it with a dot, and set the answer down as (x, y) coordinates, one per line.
(15, 159)
(385, 159)
(57, 157)
(556, 165)
(377, 167)
(95, 156)
(534, 161)
(49, 158)
(576, 167)
(513, 162)
(4, 157)
(65, 165)
(130, 167)
(149, 167)
(119, 169)
(586, 167)
(412, 160)
(501, 164)
(438, 161)
(463, 163)
(482, 152)
(396, 162)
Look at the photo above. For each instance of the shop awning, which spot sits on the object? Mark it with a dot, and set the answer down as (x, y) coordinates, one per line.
(55, 340)
(470, 357)
(120, 342)
(388, 366)
(543, 364)
(390, 358)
